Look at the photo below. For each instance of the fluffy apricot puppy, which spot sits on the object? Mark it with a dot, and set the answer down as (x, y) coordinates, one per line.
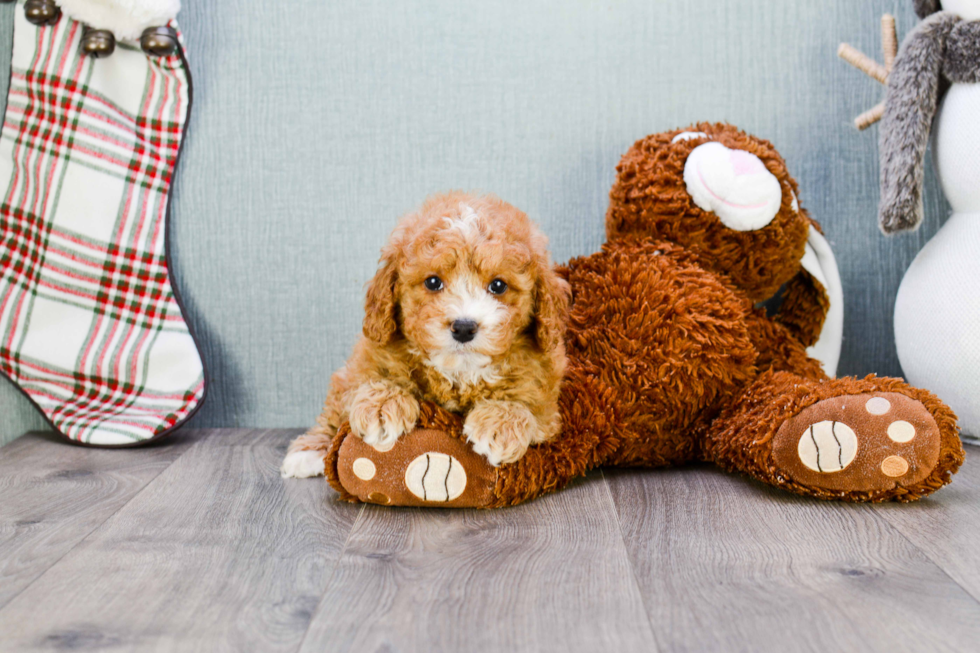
(466, 312)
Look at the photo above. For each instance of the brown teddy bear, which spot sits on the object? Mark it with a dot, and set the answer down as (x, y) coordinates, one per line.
(670, 361)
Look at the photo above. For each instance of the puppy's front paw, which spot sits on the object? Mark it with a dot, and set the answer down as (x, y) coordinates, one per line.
(306, 454)
(500, 430)
(381, 413)
(302, 464)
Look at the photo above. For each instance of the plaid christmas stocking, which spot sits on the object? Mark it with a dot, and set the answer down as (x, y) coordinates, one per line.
(91, 326)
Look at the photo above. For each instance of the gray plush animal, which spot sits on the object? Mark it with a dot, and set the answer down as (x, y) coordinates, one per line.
(943, 50)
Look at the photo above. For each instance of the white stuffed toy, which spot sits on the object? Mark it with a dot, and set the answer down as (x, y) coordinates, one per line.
(106, 21)
(937, 311)
(934, 89)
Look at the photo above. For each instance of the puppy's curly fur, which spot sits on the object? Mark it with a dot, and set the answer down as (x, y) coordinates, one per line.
(443, 266)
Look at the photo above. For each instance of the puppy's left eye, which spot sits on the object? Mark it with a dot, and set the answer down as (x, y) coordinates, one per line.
(497, 287)
(433, 283)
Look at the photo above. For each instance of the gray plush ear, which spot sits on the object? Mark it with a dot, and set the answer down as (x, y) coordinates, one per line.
(910, 106)
(927, 7)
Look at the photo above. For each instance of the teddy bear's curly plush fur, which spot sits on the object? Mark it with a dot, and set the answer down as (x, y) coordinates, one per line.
(670, 361)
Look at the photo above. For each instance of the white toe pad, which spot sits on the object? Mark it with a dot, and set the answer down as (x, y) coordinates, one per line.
(435, 476)
(828, 447)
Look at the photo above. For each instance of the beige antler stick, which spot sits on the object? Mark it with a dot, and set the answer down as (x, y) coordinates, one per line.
(873, 69)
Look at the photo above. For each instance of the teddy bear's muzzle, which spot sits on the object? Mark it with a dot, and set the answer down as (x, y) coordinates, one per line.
(734, 185)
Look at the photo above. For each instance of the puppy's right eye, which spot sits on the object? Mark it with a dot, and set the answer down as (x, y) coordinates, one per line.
(433, 283)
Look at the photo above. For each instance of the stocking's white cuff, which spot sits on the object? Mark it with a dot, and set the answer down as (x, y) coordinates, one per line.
(126, 19)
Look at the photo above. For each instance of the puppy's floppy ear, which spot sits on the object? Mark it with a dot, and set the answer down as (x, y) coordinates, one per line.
(552, 294)
(379, 306)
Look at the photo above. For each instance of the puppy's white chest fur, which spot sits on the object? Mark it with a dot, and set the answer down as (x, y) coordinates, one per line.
(464, 369)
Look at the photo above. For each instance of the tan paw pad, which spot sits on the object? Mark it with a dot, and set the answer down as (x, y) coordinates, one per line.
(894, 466)
(364, 469)
(858, 443)
(878, 406)
(379, 498)
(901, 431)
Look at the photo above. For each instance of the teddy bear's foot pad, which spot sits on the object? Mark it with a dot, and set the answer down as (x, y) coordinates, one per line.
(424, 468)
(859, 443)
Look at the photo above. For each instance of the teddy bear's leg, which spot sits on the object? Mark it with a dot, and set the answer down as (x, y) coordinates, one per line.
(435, 466)
(872, 439)
(432, 465)
(778, 349)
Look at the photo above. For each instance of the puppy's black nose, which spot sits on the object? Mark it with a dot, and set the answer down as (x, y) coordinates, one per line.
(463, 330)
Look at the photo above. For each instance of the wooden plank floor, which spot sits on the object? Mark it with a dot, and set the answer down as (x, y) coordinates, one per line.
(198, 545)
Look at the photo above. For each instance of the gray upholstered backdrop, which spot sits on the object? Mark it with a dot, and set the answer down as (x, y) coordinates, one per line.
(317, 123)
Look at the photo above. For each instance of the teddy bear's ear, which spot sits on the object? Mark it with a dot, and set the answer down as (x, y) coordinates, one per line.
(927, 7)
